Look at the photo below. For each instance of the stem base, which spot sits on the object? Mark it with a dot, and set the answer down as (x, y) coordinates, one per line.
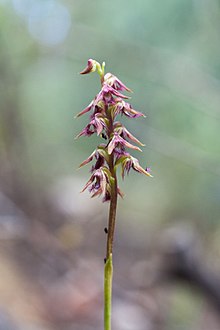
(108, 274)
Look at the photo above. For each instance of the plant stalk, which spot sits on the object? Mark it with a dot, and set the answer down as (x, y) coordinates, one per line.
(108, 293)
(108, 274)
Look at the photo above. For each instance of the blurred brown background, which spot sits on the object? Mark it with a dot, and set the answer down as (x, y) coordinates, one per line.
(52, 240)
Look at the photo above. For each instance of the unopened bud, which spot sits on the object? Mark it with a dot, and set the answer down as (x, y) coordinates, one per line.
(91, 67)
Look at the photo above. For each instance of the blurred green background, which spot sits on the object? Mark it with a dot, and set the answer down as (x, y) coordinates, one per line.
(168, 53)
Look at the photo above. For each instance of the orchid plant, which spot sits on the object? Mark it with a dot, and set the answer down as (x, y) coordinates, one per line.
(107, 105)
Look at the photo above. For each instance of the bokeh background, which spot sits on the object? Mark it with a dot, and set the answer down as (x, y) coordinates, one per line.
(52, 240)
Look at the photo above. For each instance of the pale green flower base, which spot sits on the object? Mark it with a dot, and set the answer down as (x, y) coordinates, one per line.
(108, 293)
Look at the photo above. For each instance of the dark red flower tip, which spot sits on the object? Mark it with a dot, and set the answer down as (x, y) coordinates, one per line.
(91, 67)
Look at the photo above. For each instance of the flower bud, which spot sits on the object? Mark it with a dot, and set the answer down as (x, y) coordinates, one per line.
(91, 67)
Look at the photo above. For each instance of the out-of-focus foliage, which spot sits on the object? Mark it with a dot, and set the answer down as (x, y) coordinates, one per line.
(168, 53)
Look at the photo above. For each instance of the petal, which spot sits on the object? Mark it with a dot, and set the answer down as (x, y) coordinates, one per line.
(112, 145)
(138, 167)
(117, 84)
(99, 125)
(87, 109)
(87, 131)
(108, 89)
(120, 86)
(97, 193)
(88, 160)
(127, 144)
(121, 194)
(118, 94)
(133, 113)
(88, 183)
(118, 139)
(132, 137)
(130, 112)
(80, 134)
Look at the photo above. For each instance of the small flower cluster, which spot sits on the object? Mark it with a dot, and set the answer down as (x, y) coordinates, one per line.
(106, 106)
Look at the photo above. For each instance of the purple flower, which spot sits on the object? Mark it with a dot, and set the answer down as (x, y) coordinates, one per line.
(100, 155)
(117, 140)
(130, 162)
(126, 109)
(107, 96)
(125, 134)
(97, 105)
(99, 184)
(114, 82)
(96, 125)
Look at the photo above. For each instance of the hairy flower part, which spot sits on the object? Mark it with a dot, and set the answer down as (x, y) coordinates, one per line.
(117, 140)
(114, 82)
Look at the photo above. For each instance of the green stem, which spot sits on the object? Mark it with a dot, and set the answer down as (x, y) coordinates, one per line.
(112, 218)
(101, 71)
(108, 293)
(109, 250)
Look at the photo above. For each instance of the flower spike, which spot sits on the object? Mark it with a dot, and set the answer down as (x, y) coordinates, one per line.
(107, 104)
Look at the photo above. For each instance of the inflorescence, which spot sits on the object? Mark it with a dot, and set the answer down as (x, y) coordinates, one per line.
(104, 109)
